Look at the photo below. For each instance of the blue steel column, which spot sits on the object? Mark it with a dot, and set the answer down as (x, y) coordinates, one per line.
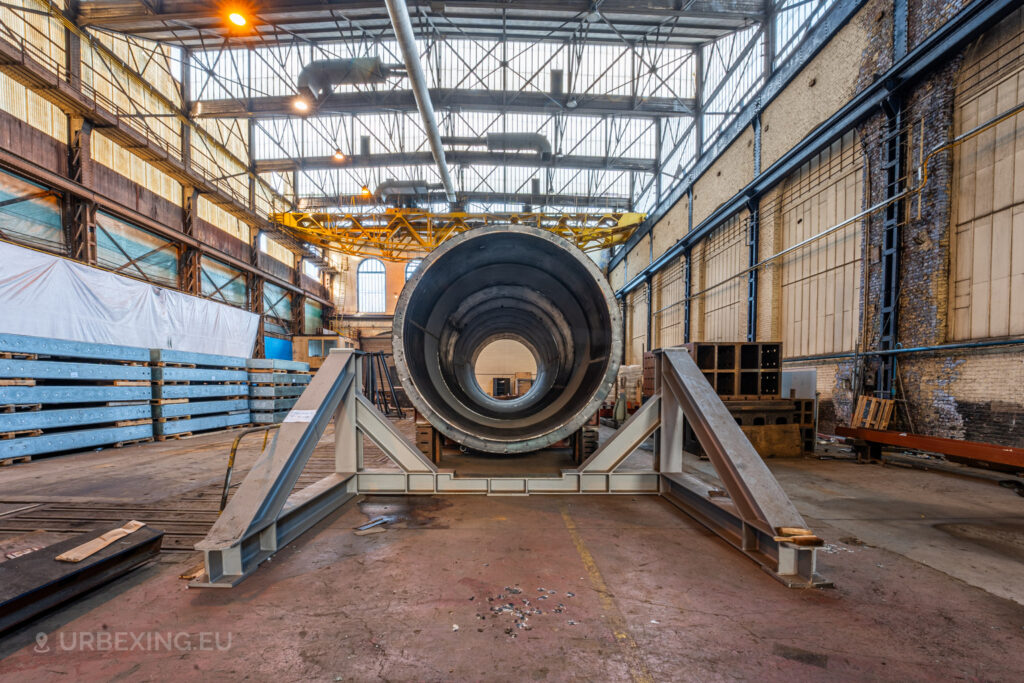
(753, 233)
(686, 297)
(894, 165)
(893, 217)
(650, 313)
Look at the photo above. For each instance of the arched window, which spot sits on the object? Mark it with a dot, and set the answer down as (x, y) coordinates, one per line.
(411, 267)
(371, 286)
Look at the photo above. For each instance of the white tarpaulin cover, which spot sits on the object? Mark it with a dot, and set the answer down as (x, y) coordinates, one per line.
(48, 296)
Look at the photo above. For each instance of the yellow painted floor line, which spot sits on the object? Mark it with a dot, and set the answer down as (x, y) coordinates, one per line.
(637, 669)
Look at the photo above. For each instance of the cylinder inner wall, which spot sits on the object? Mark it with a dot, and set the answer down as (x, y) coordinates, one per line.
(507, 282)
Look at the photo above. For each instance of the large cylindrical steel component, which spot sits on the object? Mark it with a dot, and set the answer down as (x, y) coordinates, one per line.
(507, 282)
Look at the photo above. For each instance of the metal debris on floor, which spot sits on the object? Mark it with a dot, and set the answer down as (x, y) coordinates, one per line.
(374, 526)
(521, 612)
(372, 523)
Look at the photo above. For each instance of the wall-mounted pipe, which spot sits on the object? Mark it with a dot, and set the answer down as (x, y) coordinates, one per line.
(899, 351)
(399, 14)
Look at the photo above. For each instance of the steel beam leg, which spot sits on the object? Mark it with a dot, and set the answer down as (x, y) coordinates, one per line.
(264, 515)
(757, 515)
(792, 565)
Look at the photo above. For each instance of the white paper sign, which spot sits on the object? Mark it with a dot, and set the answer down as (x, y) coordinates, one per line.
(300, 416)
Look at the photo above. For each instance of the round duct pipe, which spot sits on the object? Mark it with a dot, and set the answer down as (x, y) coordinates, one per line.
(319, 77)
(513, 141)
(505, 142)
(390, 189)
(507, 282)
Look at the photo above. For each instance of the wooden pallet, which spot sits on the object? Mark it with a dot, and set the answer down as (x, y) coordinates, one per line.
(197, 416)
(872, 413)
(14, 355)
(168, 401)
(170, 437)
(20, 433)
(21, 408)
(17, 382)
(10, 461)
(185, 382)
(122, 444)
(192, 366)
(278, 371)
(133, 423)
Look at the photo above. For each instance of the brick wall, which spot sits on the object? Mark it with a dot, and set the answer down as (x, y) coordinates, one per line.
(975, 394)
(925, 16)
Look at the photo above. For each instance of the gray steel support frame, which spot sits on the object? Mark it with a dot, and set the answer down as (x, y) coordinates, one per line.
(747, 507)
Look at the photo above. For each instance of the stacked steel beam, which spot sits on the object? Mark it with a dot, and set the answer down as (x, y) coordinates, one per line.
(196, 392)
(274, 387)
(58, 395)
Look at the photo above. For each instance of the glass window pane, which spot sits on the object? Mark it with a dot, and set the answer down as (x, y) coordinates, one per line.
(371, 286)
(411, 266)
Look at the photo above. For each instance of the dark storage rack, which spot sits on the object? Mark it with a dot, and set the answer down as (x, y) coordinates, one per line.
(740, 371)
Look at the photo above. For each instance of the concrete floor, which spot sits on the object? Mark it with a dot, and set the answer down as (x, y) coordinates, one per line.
(927, 570)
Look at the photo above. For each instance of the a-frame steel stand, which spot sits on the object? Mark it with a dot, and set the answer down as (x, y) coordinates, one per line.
(755, 515)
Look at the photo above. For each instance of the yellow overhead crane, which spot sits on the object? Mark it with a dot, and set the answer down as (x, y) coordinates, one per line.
(404, 234)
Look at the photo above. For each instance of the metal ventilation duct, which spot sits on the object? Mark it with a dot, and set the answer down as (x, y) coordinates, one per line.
(404, 188)
(497, 142)
(507, 282)
(318, 79)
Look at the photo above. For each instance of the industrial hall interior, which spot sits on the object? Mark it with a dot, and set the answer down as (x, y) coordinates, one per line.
(504, 340)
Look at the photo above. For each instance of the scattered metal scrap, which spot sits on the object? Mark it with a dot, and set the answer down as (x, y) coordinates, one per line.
(520, 611)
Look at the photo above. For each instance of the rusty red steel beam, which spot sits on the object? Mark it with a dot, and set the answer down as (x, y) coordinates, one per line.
(973, 450)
